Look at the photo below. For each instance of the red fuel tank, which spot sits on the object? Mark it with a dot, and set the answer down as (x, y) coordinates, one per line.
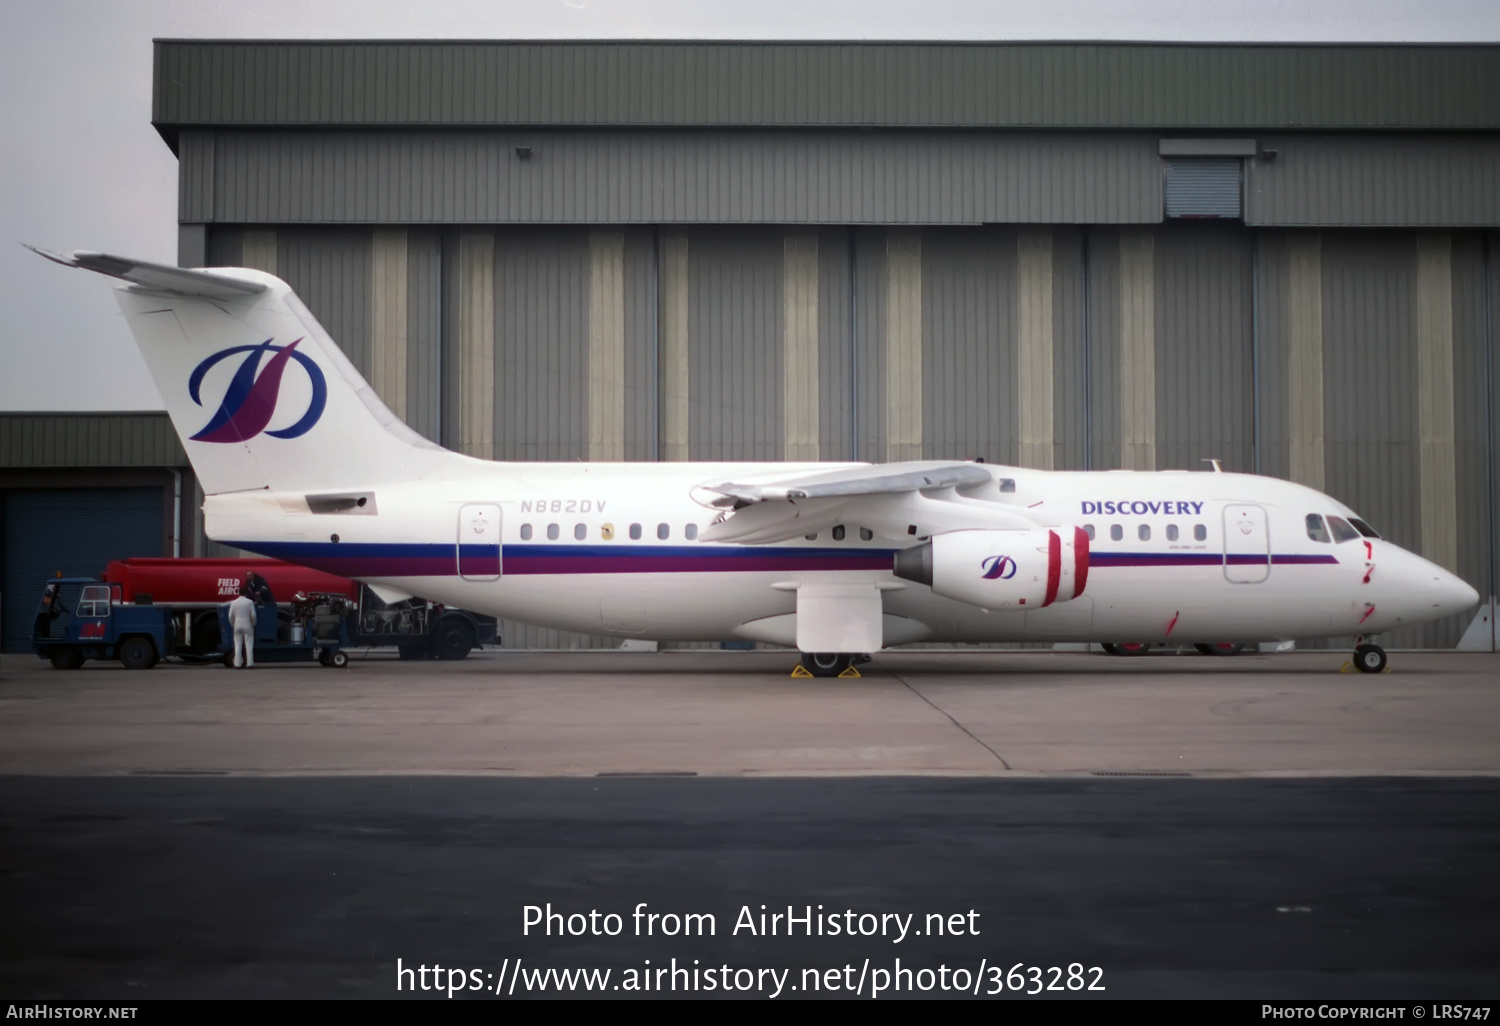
(211, 582)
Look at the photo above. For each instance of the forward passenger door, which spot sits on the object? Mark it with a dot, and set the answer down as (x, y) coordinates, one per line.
(1247, 544)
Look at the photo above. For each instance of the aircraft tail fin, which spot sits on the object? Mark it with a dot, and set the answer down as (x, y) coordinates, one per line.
(258, 392)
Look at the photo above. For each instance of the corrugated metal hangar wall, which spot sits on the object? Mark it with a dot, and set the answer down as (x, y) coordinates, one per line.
(1075, 256)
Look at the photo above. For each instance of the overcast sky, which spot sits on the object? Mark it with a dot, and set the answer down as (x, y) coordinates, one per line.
(82, 167)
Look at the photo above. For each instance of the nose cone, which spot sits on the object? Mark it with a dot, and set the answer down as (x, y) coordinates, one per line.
(1418, 590)
(1454, 594)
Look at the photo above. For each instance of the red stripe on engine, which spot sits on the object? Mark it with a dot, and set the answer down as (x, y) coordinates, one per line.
(1080, 560)
(1054, 567)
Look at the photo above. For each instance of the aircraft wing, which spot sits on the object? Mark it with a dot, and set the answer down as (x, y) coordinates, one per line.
(156, 277)
(885, 479)
(890, 498)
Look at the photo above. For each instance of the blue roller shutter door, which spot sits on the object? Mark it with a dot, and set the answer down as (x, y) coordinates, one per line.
(75, 530)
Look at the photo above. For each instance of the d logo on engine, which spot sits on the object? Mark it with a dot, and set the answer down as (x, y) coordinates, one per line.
(999, 568)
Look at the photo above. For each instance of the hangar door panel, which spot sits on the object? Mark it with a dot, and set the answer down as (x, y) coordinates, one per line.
(75, 530)
(970, 370)
(735, 308)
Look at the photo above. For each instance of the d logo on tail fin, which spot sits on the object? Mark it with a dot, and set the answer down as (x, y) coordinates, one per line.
(249, 402)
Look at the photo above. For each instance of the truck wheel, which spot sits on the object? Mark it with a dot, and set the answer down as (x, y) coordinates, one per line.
(453, 638)
(205, 634)
(66, 658)
(339, 660)
(138, 653)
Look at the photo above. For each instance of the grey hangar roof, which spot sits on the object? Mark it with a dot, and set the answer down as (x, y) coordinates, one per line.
(251, 84)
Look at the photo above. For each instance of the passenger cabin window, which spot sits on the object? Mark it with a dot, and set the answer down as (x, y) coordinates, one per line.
(635, 532)
(1088, 529)
(526, 532)
(664, 531)
(552, 532)
(1171, 532)
(810, 537)
(1363, 528)
(1342, 532)
(1200, 533)
(865, 534)
(690, 532)
(1316, 529)
(1007, 484)
(838, 532)
(607, 532)
(1116, 532)
(580, 531)
(1143, 532)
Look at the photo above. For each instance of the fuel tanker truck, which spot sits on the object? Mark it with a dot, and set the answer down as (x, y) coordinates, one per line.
(172, 607)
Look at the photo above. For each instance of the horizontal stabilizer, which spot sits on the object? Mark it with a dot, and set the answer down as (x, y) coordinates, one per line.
(157, 277)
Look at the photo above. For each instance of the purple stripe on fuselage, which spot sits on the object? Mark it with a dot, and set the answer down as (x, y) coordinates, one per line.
(709, 562)
(1112, 559)
(360, 560)
(350, 559)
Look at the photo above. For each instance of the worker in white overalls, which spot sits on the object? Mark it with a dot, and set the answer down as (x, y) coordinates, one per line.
(242, 622)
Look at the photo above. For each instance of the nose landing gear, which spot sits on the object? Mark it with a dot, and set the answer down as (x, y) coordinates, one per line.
(1369, 658)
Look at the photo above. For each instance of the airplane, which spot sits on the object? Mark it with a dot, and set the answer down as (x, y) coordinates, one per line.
(300, 460)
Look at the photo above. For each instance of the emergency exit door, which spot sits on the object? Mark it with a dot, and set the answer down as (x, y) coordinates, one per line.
(1247, 544)
(479, 542)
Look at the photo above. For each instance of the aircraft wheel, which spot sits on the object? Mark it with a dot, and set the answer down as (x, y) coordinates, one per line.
(1220, 648)
(1127, 648)
(826, 664)
(138, 653)
(1369, 658)
(65, 658)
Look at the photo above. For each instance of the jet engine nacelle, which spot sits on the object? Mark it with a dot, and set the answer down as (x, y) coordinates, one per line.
(1001, 570)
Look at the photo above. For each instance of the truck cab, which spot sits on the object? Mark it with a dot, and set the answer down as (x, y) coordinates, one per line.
(80, 618)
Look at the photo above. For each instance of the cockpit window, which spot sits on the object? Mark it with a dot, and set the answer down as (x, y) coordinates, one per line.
(1363, 528)
(1316, 529)
(1342, 532)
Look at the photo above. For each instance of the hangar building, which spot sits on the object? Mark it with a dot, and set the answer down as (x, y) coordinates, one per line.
(1095, 256)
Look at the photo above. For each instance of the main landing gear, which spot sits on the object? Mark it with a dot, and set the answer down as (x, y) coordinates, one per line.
(1369, 658)
(1126, 648)
(829, 664)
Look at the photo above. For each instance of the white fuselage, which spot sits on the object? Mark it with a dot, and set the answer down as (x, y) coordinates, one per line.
(612, 549)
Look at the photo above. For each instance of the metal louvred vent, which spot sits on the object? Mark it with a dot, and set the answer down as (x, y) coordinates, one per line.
(1203, 187)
